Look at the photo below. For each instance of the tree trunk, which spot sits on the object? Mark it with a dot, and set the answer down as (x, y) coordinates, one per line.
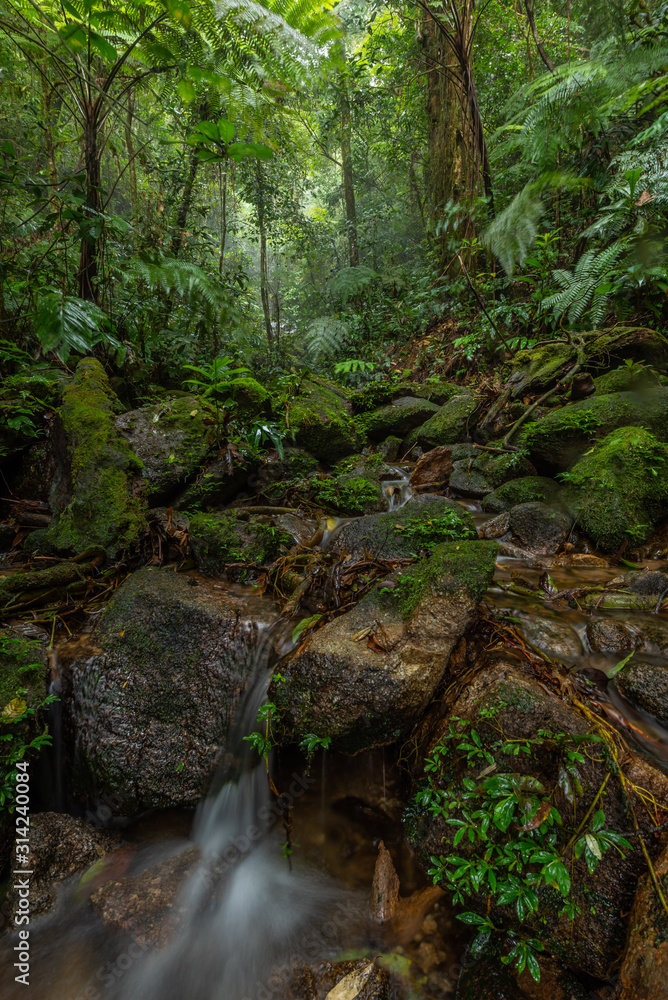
(90, 247)
(185, 206)
(129, 143)
(348, 184)
(528, 5)
(47, 99)
(264, 279)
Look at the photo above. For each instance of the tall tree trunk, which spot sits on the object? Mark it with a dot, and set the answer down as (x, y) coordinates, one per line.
(348, 184)
(458, 165)
(528, 5)
(185, 206)
(129, 144)
(264, 278)
(90, 247)
(47, 114)
(222, 195)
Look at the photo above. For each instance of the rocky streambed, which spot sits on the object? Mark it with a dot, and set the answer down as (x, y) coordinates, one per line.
(452, 650)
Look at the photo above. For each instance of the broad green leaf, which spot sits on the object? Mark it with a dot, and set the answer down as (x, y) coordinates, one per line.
(74, 35)
(503, 813)
(226, 129)
(593, 845)
(186, 91)
(209, 130)
(105, 48)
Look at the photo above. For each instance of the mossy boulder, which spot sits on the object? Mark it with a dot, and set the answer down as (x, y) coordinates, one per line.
(645, 684)
(505, 702)
(320, 417)
(172, 439)
(366, 677)
(526, 489)
(251, 398)
(221, 479)
(152, 709)
(94, 496)
(452, 423)
(220, 542)
(558, 437)
(420, 524)
(643, 973)
(618, 491)
(398, 417)
(627, 378)
(479, 476)
(380, 393)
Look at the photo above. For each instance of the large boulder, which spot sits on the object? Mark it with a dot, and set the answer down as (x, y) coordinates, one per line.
(366, 677)
(560, 436)
(452, 423)
(172, 439)
(644, 972)
(320, 417)
(398, 417)
(646, 686)
(526, 489)
(525, 733)
(422, 522)
(93, 495)
(153, 707)
(618, 490)
(539, 527)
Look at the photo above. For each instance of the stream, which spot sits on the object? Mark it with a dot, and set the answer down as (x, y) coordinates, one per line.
(240, 916)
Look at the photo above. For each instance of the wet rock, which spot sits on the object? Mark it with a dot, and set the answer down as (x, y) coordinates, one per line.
(467, 481)
(607, 635)
(627, 378)
(35, 473)
(171, 439)
(488, 979)
(93, 497)
(148, 907)
(552, 635)
(646, 686)
(540, 528)
(432, 472)
(527, 489)
(7, 536)
(424, 520)
(366, 677)
(296, 463)
(60, 847)
(647, 581)
(235, 545)
(398, 417)
(520, 708)
(563, 434)
(390, 449)
(321, 418)
(643, 973)
(619, 489)
(220, 480)
(153, 708)
(452, 423)
(496, 527)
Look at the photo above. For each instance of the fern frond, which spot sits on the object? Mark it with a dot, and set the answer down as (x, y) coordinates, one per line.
(326, 337)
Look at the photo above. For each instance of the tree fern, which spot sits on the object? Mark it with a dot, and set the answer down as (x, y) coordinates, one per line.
(587, 287)
(175, 277)
(352, 281)
(64, 324)
(326, 337)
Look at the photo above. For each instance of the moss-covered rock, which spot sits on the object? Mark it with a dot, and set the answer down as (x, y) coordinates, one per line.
(399, 417)
(618, 491)
(452, 423)
(646, 686)
(153, 708)
(420, 524)
(380, 393)
(627, 378)
(539, 527)
(504, 701)
(366, 693)
(527, 489)
(220, 540)
(320, 417)
(100, 505)
(560, 436)
(171, 439)
(252, 399)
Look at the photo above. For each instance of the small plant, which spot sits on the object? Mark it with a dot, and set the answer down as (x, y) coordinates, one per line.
(15, 713)
(515, 848)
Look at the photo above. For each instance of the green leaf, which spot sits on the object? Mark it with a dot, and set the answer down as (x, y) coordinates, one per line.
(240, 150)
(186, 91)
(303, 625)
(209, 130)
(503, 813)
(593, 845)
(226, 130)
(620, 666)
(180, 12)
(101, 45)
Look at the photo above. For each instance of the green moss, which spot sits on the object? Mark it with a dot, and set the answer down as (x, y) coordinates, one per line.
(351, 496)
(453, 567)
(320, 417)
(451, 424)
(618, 491)
(528, 489)
(627, 378)
(22, 675)
(220, 539)
(559, 436)
(104, 510)
(251, 397)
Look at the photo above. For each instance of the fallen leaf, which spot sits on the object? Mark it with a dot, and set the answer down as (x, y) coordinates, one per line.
(542, 813)
(374, 645)
(14, 709)
(351, 985)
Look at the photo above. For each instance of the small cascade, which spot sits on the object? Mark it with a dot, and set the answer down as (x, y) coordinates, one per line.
(398, 490)
(55, 723)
